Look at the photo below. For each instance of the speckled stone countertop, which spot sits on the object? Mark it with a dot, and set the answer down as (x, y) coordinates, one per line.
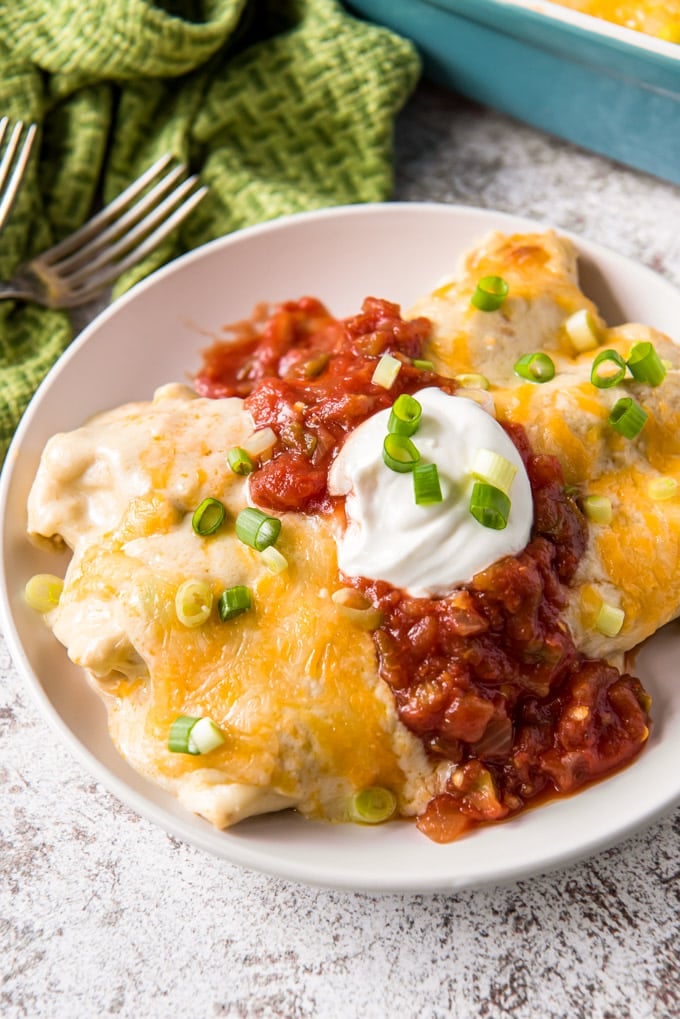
(101, 913)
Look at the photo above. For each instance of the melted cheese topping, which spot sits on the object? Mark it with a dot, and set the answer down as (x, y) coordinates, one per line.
(540, 270)
(292, 684)
(632, 562)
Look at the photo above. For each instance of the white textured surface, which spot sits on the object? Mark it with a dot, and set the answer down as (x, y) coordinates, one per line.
(95, 903)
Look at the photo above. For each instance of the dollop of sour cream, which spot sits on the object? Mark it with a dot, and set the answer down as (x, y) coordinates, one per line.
(427, 550)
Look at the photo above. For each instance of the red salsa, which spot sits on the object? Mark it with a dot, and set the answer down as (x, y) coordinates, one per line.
(308, 376)
(487, 677)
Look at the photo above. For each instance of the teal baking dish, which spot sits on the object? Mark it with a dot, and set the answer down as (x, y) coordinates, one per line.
(601, 86)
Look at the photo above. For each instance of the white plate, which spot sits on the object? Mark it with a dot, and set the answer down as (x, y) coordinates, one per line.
(155, 335)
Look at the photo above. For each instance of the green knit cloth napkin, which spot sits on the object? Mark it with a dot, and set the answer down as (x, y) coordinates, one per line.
(281, 106)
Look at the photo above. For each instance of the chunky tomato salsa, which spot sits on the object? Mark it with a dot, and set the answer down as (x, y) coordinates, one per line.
(487, 677)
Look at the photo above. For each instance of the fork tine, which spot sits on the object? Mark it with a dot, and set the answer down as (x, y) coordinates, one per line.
(116, 228)
(3, 127)
(110, 255)
(10, 187)
(96, 283)
(108, 213)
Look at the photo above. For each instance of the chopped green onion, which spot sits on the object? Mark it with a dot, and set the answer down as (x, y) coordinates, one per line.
(425, 366)
(193, 603)
(535, 367)
(405, 415)
(233, 602)
(609, 620)
(426, 487)
(399, 453)
(239, 461)
(313, 368)
(257, 529)
(627, 417)
(668, 365)
(494, 469)
(598, 509)
(490, 293)
(178, 737)
(274, 560)
(204, 736)
(662, 488)
(260, 442)
(355, 607)
(189, 735)
(608, 369)
(489, 506)
(645, 364)
(386, 371)
(43, 591)
(373, 805)
(581, 328)
(471, 380)
(208, 517)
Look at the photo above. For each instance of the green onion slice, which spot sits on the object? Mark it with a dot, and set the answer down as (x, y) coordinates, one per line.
(582, 330)
(233, 602)
(489, 506)
(357, 608)
(240, 461)
(627, 417)
(608, 369)
(471, 380)
(405, 415)
(193, 603)
(494, 469)
(190, 735)
(535, 367)
(43, 591)
(490, 293)
(645, 364)
(386, 371)
(313, 368)
(426, 487)
(598, 509)
(178, 737)
(373, 805)
(425, 366)
(663, 487)
(257, 529)
(205, 736)
(260, 442)
(399, 453)
(208, 517)
(609, 620)
(274, 560)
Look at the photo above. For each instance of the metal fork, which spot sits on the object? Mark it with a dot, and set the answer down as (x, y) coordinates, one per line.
(13, 163)
(81, 266)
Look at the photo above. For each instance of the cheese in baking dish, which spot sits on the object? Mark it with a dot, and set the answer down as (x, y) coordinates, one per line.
(295, 686)
(660, 18)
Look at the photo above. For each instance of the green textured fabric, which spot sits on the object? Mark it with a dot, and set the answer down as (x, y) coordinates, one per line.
(281, 106)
